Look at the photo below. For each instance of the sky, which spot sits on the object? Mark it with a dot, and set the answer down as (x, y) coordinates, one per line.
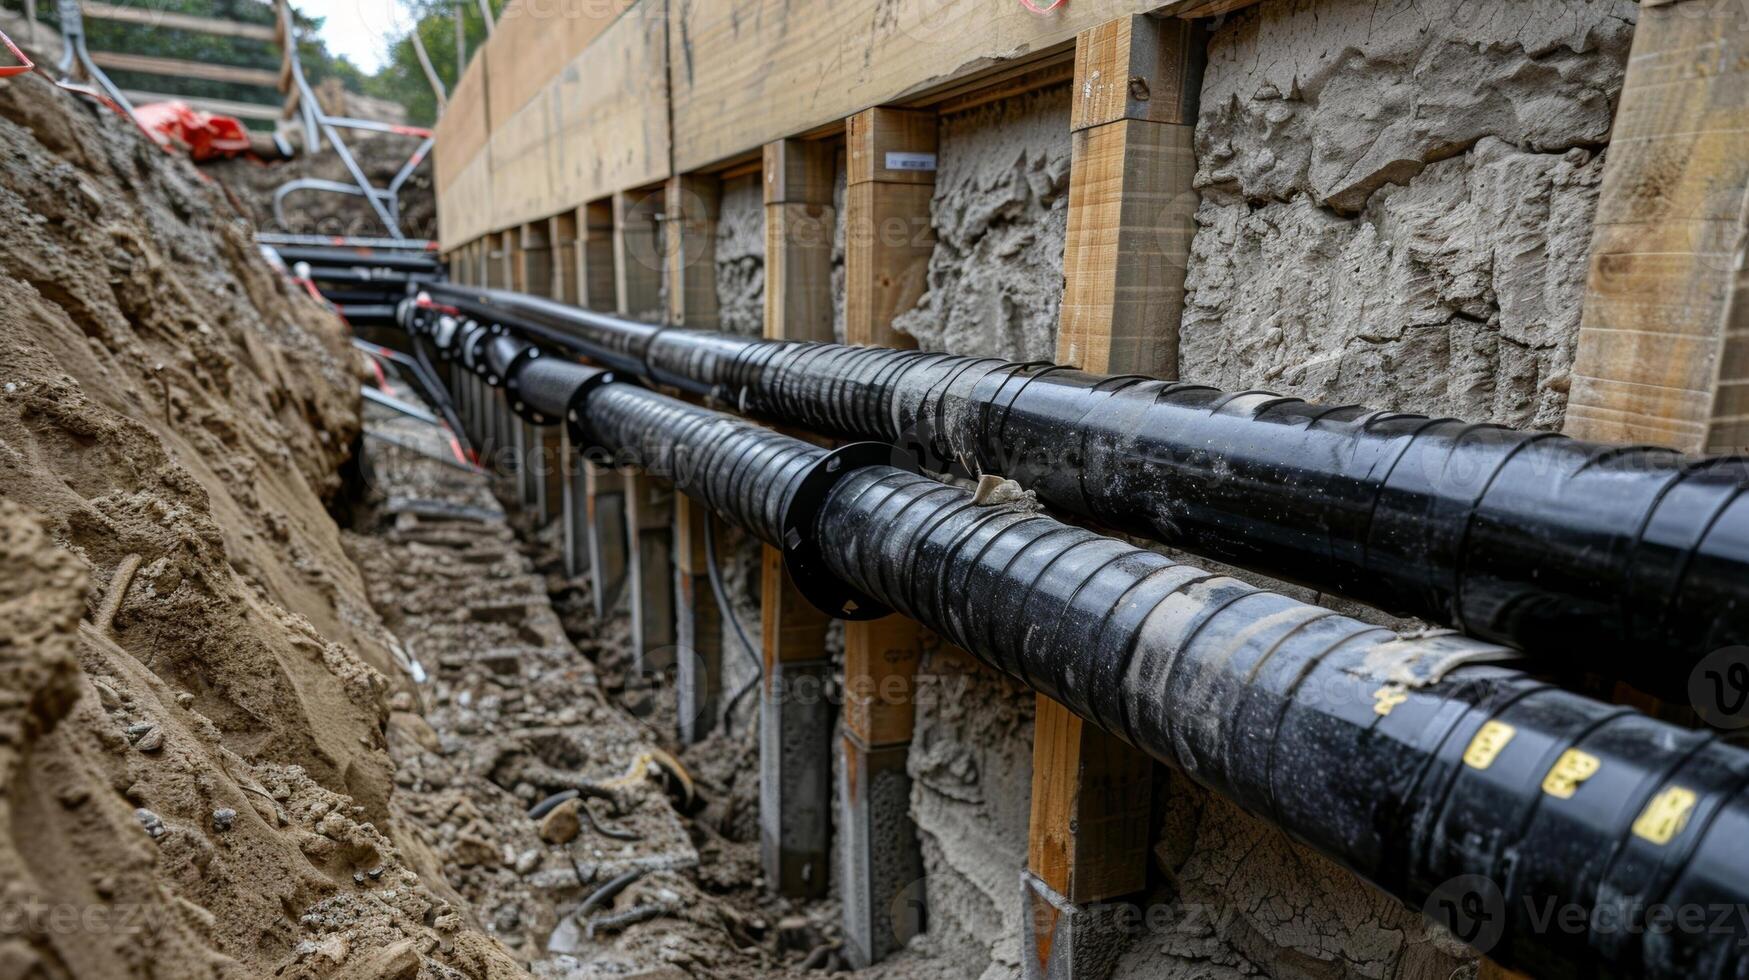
(358, 29)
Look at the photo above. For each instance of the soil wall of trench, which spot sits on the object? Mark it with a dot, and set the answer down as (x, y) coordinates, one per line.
(193, 686)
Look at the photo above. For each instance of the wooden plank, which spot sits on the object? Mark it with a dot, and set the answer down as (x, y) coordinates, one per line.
(604, 520)
(462, 132)
(637, 259)
(894, 146)
(1090, 808)
(1131, 204)
(514, 267)
(795, 771)
(171, 20)
(700, 627)
(889, 237)
(522, 172)
(1660, 340)
(595, 273)
(800, 222)
(795, 738)
(536, 253)
(590, 94)
(1137, 68)
(177, 68)
(563, 265)
(221, 107)
(888, 243)
(880, 665)
(791, 629)
(598, 127)
(532, 38)
(650, 532)
(691, 204)
(751, 71)
(1132, 196)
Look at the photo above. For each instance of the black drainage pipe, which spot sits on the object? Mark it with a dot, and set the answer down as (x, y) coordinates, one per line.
(1630, 562)
(1505, 808)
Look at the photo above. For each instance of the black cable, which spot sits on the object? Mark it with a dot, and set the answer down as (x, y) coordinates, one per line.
(726, 609)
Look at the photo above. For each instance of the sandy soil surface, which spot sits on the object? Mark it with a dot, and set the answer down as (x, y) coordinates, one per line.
(516, 713)
(192, 747)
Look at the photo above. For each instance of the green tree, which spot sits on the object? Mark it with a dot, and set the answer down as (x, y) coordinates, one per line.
(402, 81)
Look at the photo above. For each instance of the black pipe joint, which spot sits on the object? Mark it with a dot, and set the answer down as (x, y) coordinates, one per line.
(764, 482)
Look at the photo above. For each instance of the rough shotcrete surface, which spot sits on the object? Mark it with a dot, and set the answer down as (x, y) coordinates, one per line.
(1000, 214)
(971, 795)
(741, 257)
(1243, 900)
(1397, 200)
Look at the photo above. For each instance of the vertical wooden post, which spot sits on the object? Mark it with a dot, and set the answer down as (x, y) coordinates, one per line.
(1132, 202)
(799, 229)
(595, 275)
(607, 543)
(637, 253)
(692, 204)
(889, 239)
(649, 501)
(795, 738)
(1131, 205)
(535, 259)
(509, 259)
(598, 526)
(795, 743)
(573, 507)
(1664, 337)
(562, 268)
(888, 235)
(492, 262)
(550, 460)
(699, 626)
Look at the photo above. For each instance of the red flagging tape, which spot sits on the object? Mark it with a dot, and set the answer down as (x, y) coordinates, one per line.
(24, 64)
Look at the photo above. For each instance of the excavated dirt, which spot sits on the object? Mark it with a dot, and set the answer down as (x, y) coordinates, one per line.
(517, 710)
(195, 775)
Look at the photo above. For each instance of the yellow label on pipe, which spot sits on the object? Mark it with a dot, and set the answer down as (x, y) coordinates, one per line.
(1571, 769)
(1666, 815)
(1487, 744)
(1388, 697)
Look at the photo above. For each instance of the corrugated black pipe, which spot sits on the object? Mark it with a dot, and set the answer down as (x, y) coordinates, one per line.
(1504, 807)
(1630, 562)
